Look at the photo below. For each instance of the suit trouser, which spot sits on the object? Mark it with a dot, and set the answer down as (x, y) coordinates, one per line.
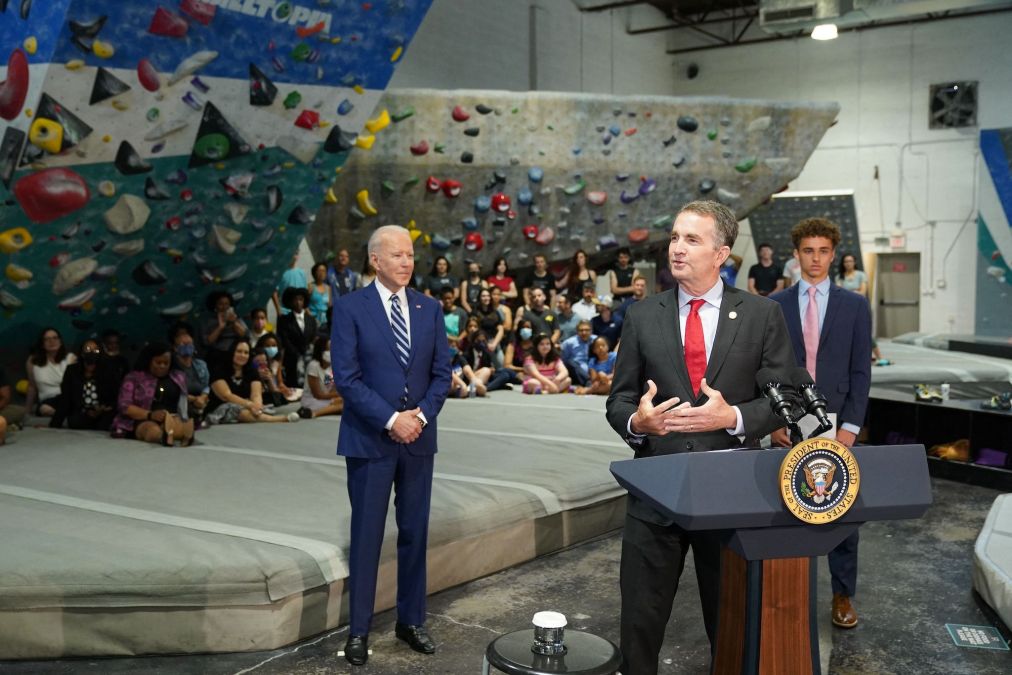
(369, 485)
(653, 557)
(843, 566)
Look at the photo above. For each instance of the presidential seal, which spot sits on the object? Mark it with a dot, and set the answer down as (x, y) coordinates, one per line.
(819, 480)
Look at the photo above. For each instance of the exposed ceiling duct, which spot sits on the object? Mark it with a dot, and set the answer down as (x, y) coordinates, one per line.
(791, 16)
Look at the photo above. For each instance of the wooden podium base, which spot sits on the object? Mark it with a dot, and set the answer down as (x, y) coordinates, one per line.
(767, 620)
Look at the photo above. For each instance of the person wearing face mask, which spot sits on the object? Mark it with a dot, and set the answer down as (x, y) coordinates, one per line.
(87, 393)
(519, 349)
(320, 397)
(195, 370)
(258, 326)
(268, 345)
(471, 286)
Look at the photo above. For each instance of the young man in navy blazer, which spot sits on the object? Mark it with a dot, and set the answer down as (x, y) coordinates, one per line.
(391, 364)
(832, 339)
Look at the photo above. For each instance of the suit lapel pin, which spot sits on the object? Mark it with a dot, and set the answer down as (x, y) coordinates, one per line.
(732, 315)
(418, 306)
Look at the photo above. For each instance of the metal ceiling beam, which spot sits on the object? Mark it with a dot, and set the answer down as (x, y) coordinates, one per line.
(870, 26)
(749, 16)
(611, 5)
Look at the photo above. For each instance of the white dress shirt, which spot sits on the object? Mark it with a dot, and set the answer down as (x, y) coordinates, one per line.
(709, 315)
(402, 295)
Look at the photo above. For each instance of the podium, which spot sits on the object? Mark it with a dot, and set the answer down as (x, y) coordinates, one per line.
(768, 616)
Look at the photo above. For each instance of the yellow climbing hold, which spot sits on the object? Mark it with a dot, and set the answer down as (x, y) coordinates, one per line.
(219, 166)
(119, 105)
(18, 273)
(106, 138)
(363, 203)
(14, 240)
(28, 112)
(46, 134)
(103, 50)
(74, 64)
(396, 55)
(336, 40)
(323, 124)
(365, 142)
(358, 89)
(330, 197)
(30, 44)
(288, 165)
(379, 123)
(107, 188)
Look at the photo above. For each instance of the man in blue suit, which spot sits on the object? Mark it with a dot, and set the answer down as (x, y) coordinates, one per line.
(830, 331)
(391, 365)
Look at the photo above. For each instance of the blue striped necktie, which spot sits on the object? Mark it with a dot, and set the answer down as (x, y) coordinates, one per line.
(400, 329)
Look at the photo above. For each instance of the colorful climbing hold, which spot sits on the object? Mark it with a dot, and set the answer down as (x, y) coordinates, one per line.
(46, 134)
(107, 188)
(127, 215)
(203, 12)
(451, 188)
(397, 54)
(597, 197)
(31, 44)
(647, 185)
(345, 107)
(147, 75)
(530, 231)
(378, 123)
(362, 198)
(49, 194)
(459, 114)
(14, 89)
(308, 119)
(432, 184)
(745, 165)
(420, 148)
(711, 134)
(14, 240)
(535, 174)
(365, 141)
(501, 202)
(687, 123)
(192, 64)
(403, 114)
(575, 188)
(168, 24)
(473, 241)
(102, 49)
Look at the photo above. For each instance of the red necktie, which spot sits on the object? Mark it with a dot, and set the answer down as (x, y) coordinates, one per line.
(695, 346)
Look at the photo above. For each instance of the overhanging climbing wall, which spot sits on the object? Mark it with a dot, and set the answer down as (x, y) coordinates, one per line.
(151, 151)
(489, 173)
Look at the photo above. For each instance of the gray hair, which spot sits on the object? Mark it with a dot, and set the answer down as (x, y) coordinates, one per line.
(377, 236)
(725, 223)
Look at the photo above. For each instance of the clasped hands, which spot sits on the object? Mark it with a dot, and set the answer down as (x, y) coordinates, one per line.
(407, 426)
(674, 415)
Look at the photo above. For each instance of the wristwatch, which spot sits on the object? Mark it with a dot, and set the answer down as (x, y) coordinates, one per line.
(421, 421)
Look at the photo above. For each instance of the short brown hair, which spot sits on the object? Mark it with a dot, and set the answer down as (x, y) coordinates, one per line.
(724, 221)
(815, 227)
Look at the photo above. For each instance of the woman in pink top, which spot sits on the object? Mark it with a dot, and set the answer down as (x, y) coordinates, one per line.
(544, 372)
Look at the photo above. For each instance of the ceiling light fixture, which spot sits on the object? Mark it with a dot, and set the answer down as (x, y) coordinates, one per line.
(824, 31)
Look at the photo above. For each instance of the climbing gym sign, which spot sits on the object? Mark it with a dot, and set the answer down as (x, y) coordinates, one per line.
(280, 11)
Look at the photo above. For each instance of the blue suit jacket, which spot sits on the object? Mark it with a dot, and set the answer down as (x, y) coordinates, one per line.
(370, 377)
(843, 364)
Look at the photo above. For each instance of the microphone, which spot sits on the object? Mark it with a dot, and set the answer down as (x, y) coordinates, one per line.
(814, 401)
(780, 401)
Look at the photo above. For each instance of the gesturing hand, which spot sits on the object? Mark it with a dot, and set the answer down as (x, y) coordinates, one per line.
(650, 418)
(713, 415)
(407, 427)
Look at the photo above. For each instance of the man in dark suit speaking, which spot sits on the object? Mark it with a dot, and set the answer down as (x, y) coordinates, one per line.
(685, 382)
(830, 332)
(391, 364)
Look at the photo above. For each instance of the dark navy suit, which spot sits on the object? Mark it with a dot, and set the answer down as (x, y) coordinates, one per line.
(374, 385)
(843, 375)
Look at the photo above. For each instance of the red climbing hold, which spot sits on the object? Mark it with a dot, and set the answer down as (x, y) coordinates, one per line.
(460, 115)
(501, 202)
(530, 232)
(432, 184)
(451, 188)
(168, 24)
(51, 193)
(14, 89)
(198, 10)
(473, 241)
(420, 148)
(148, 76)
(308, 119)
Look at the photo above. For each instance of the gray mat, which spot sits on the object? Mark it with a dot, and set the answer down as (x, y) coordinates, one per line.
(259, 512)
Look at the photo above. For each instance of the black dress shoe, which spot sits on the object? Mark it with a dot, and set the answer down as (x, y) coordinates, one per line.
(416, 637)
(356, 649)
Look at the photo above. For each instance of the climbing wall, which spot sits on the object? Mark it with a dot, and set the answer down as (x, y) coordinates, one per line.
(154, 150)
(478, 174)
(994, 236)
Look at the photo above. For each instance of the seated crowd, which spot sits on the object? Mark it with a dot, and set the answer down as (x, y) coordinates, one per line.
(548, 334)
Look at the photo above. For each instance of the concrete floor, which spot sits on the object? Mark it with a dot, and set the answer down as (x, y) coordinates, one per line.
(915, 577)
